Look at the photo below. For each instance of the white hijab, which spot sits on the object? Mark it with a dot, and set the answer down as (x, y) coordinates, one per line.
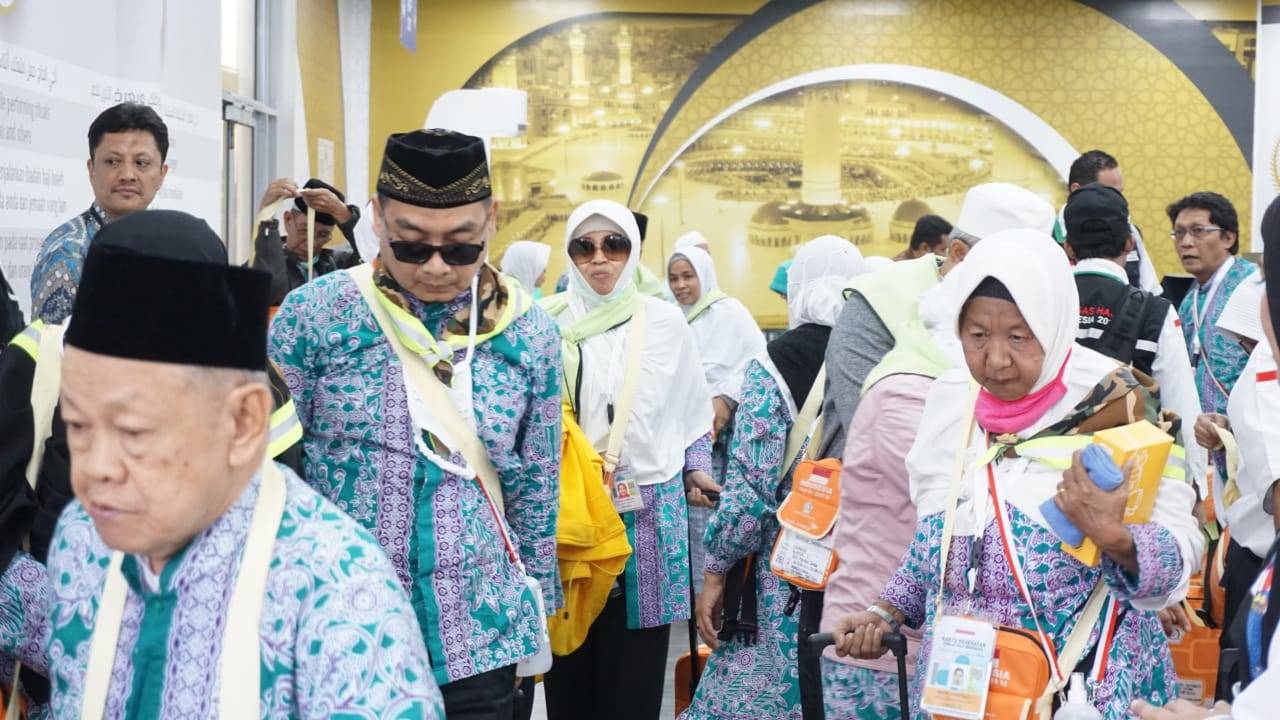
(1036, 272)
(726, 334)
(693, 239)
(672, 406)
(526, 261)
(816, 280)
(589, 217)
(702, 266)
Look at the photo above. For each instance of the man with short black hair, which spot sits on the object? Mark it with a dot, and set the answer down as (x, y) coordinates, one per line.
(930, 237)
(128, 147)
(1206, 236)
(1123, 322)
(285, 257)
(429, 391)
(1098, 166)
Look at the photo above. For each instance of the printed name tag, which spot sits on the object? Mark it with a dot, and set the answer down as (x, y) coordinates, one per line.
(959, 668)
(625, 494)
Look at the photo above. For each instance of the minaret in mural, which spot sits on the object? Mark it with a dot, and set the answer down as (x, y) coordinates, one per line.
(579, 89)
(626, 90)
(506, 73)
(820, 176)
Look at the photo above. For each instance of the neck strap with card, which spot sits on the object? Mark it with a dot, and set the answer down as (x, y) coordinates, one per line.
(1076, 642)
(625, 492)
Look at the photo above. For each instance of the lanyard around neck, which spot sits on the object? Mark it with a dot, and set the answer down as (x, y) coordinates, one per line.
(1197, 315)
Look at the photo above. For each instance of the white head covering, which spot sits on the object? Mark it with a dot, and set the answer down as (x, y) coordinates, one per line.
(702, 265)
(1038, 276)
(1036, 272)
(993, 207)
(600, 215)
(526, 261)
(816, 280)
(1242, 316)
(725, 333)
(672, 407)
(873, 263)
(693, 238)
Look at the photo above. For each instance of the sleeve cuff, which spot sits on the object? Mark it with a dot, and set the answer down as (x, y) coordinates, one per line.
(1159, 564)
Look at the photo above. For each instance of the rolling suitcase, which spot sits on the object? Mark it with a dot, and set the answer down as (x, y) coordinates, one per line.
(897, 644)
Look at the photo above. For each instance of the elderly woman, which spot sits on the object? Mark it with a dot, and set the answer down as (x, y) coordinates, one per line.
(1030, 380)
(619, 670)
(727, 338)
(754, 673)
(527, 262)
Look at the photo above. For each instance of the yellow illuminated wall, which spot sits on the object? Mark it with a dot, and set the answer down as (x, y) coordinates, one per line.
(320, 65)
(744, 178)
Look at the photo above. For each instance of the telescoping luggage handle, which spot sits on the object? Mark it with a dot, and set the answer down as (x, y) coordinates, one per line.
(897, 644)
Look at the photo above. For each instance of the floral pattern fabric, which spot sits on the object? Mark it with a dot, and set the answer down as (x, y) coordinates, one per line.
(475, 610)
(56, 273)
(1138, 665)
(338, 637)
(761, 680)
(657, 573)
(1226, 357)
(858, 693)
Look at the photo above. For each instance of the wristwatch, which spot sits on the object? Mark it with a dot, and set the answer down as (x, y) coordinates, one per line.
(894, 625)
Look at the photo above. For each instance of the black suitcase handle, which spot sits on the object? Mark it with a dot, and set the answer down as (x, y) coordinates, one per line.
(897, 644)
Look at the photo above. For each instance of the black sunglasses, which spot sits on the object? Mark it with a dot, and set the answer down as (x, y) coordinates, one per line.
(421, 253)
(616, 247)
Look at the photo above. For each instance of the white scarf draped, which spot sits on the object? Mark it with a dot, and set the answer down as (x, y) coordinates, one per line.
(672, 406)
(726, 335)
(1038, 276)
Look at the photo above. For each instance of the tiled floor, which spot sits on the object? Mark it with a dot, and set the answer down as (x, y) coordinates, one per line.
(679, 646)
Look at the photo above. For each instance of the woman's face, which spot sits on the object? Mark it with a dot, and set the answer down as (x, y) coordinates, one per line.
(1002, 353)
(684, 282)
(602, 267)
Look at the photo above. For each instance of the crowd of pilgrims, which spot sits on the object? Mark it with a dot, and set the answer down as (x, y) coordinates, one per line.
(395, 481)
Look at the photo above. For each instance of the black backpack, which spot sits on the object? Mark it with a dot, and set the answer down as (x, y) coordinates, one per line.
(11, 322)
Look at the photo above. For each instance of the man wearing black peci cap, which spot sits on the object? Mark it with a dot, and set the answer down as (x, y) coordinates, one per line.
(429, 390)
(286, 257)
(1131, 325)
(192, 576)
(35, 477)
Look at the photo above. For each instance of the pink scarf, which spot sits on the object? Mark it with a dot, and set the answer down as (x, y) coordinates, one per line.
(1012, 416)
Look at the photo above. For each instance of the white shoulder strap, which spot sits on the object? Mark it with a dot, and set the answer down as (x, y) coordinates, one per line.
(239, 667)
(627, 393)
(424, 381)
(45, 387)
(805, 425)
(239, 671)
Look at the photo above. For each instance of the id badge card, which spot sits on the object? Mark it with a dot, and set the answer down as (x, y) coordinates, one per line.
(625, 494)
(959, 669)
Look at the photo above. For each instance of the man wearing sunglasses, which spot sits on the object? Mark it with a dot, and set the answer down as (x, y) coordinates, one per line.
(429, 391)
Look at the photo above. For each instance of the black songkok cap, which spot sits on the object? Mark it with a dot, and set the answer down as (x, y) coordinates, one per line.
(322, 218)
(434, 169)
(1097, 211)
(168, 309)
(642, 223)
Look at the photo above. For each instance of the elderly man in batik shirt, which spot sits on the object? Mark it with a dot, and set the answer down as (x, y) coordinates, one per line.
(464, 544)
(128, 146)
(192, 577)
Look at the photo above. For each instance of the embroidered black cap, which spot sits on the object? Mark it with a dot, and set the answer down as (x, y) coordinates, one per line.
(434, 169)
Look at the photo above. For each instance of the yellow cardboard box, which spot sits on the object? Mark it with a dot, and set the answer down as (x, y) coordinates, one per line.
(1148, 447)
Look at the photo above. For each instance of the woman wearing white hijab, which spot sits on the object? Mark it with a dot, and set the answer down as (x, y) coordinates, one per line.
(620, 669)
(727, 338)
(1017, 328)
(527, 262)
(754, 671)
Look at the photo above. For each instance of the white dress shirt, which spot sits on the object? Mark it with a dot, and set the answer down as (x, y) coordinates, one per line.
(1254, 411)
